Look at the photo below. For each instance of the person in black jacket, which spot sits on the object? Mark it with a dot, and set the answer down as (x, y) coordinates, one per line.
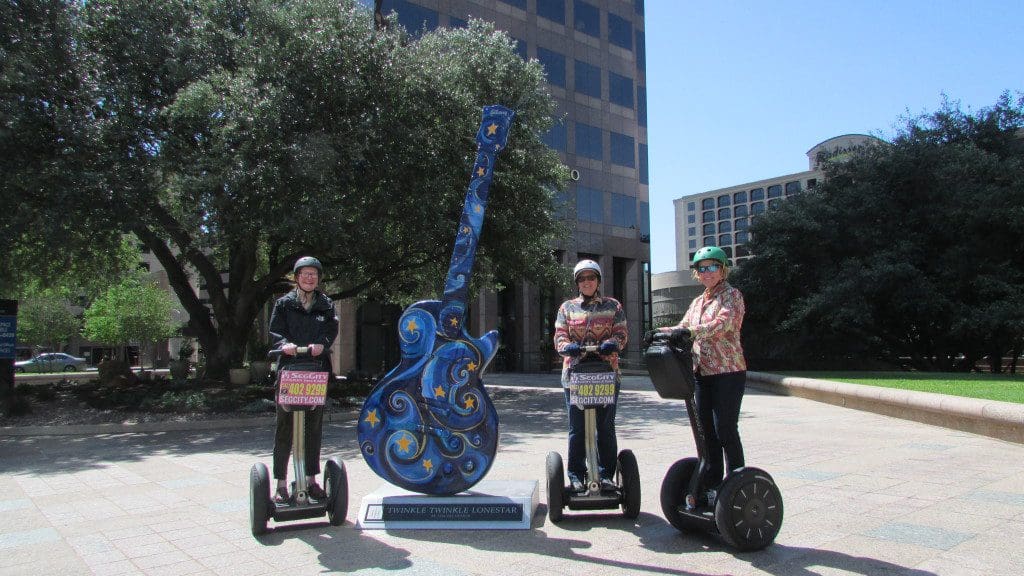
(304, 317)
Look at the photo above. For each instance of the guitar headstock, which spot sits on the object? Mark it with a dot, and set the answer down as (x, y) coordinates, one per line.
(494, 127)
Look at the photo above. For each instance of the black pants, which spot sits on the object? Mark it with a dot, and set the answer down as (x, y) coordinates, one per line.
(607, 445)
(283, 442)
(718, 407)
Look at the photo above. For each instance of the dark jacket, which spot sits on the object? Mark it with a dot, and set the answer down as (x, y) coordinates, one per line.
(290, 322)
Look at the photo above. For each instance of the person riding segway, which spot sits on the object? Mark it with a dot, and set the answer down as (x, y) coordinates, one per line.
(589, 332)
(701, 362)
(303, 325)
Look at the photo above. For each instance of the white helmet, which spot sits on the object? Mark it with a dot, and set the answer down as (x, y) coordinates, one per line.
(586, 265)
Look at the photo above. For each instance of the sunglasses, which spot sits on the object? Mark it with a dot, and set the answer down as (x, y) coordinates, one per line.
(709, 268)
(586, 278)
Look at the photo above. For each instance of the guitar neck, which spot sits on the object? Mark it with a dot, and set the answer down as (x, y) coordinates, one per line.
(491, 139)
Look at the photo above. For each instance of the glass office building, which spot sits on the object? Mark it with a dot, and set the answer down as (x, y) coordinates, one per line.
(593, 54)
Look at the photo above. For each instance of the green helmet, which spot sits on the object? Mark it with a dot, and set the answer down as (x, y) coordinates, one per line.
(710, 253)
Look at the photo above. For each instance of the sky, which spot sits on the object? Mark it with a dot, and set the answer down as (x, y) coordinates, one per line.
(740, 90)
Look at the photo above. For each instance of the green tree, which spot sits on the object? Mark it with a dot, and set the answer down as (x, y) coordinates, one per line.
(905, 251)
(48, 174)
(131, 311)
(236, 136)
(46, 319)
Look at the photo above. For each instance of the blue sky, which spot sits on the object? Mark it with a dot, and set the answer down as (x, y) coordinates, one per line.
(738, 91)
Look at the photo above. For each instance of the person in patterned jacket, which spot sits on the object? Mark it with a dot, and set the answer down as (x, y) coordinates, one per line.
(713, 322)
(590, 319)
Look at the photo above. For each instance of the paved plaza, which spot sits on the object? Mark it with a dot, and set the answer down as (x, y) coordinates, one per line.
(864, 494)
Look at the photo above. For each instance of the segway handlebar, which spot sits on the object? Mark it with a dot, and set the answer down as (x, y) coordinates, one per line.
(300, 351)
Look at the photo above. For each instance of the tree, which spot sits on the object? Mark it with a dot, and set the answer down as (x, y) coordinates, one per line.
(233, 136)
(905, 251)
(131, 311)
(47, 154)
(46, 318)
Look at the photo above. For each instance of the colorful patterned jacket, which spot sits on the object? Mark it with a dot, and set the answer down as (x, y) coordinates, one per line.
(714, 319)
(589, 324)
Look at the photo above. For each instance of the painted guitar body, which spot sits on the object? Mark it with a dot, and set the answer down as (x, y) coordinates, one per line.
(429, 426)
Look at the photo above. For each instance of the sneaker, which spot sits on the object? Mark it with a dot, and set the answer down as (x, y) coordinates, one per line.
(281, 496)
(316, 492)
(578, 487)
(607, 485)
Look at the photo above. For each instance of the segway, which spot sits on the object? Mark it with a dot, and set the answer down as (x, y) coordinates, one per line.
(301, 386)
(593, 385)
(746, 511)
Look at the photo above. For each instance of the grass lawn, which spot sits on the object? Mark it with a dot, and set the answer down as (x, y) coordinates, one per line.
(1002, 387)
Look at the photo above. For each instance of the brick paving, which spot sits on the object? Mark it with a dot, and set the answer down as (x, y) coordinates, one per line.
(864, 494)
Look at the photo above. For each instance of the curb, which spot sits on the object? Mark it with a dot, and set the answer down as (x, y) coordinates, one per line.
(1002, 420)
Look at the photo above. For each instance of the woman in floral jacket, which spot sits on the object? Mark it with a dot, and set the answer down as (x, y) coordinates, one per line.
(713, 321)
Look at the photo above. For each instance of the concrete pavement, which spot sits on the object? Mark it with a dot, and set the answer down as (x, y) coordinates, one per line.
(864, 494)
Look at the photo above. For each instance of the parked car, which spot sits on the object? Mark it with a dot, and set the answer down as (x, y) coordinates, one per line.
(51, 362)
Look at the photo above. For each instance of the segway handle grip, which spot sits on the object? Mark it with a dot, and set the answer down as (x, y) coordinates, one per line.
(300, 351)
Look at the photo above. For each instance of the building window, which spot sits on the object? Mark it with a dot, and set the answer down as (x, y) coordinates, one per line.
(741, 250)
(742, 224)
(554, 66)
(775, 191)
(691, 206)
(588, 79)
(553, 10)
(757, 194)
(708, 216)
(707, 204)
(708, 229)
(725, 226)
(724, 239)
(741, 238)
(757, 208)
(691, 218)
(588, 141)
(723, 200)
(641, 51)
(586, 18)
(739, 197)
(620, 32)
(792, 188)
(691, 231)
(623, 211)
(811, 183)
(589, 204)
(691, 244)
(415, 18)
(620, 90)
(644, 169)
(557, 137)
(521, 48)
(709, 241)
(622, 150)
(773, 203)
(724, 213)
(641, 105)
(739, 210)
(645, 222)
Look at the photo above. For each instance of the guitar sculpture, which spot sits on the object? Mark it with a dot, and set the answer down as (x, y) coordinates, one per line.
(429, 426)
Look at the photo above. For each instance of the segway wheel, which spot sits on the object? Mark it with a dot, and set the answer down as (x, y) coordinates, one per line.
(629, 480)
(673, 495)
(336, 482)
(556, 485)
(748, 512)
(259, 499)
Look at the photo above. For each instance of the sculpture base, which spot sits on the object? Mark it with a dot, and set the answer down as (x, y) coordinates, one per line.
(490, 504)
